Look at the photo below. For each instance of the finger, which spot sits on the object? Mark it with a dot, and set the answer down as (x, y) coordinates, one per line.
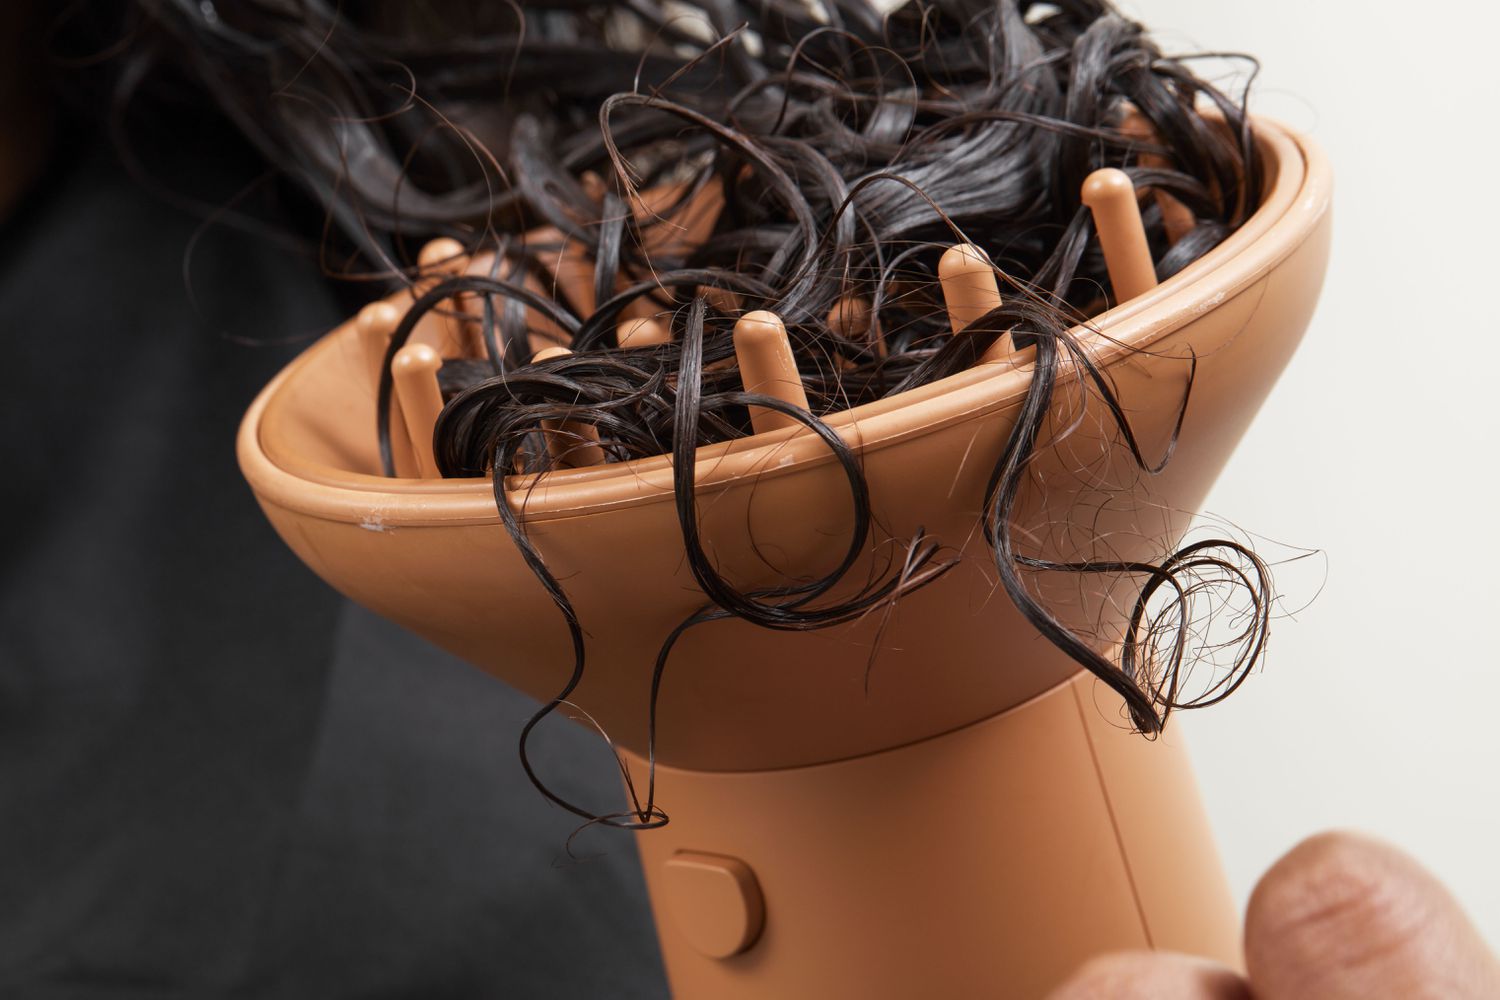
(1151, 975)
(1342, 916)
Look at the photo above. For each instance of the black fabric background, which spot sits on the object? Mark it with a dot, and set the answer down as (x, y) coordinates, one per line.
(217, 777)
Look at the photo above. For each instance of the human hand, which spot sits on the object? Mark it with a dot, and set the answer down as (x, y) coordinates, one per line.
(1340, 916)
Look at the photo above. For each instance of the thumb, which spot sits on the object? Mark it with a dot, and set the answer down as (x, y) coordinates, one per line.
(1342, 916)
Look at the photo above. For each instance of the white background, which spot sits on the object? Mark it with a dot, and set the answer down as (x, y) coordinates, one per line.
(1377, 707)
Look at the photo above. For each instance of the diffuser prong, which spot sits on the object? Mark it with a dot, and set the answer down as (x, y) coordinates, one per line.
(1177, 219)
(376, 322)
(1110, 196)
(438, 260)
(634, 333)
(571, 443)
(414, 372)
(851, 319)
(442, 256)
(970, 291)
(969, 287)
(768, 368)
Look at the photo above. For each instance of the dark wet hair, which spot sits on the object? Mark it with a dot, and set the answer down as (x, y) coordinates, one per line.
(849, 149)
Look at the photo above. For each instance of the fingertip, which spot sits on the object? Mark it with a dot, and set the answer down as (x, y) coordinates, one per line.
(1324, 890)
(1345, 915)
(1151, 975)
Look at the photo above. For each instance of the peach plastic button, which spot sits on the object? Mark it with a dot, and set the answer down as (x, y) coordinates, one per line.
(715, 901)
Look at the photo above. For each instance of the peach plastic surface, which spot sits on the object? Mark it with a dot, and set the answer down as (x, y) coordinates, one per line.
(988, 862)
(570, 442)
(1111, 198)
(414, 376)
(768, 367)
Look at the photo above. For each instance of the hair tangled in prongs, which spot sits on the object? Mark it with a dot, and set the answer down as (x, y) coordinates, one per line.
(848, 147)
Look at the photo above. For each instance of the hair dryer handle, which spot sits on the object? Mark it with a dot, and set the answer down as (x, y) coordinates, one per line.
(988, 861)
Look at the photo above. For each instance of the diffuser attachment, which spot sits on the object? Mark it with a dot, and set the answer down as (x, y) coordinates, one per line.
(784, 752)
